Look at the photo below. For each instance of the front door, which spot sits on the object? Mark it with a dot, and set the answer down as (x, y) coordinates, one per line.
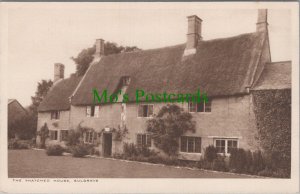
(107, 144)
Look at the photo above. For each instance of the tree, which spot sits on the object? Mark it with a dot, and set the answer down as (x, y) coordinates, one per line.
(41, 92)
(43, 134)
(168, 125)
(85, 57)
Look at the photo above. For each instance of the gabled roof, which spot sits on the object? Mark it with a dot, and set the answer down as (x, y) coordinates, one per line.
(220, 67)
(11, 100)
(276, 75)
(58, 96)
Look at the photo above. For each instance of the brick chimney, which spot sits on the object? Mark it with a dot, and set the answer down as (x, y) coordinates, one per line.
(262, 21)
(99, 49)
(193, 35)
(58, 71)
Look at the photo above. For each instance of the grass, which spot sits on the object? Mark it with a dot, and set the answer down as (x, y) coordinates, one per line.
(36, 164)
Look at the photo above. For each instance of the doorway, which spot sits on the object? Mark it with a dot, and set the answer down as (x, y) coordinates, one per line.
(107, 144)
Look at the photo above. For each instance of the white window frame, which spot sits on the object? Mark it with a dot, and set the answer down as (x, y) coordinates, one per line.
(58, 115)
(226, 144)
(148, 116)
(94, 137)
(194, 142)
(50, 136)
(148, 136)
(204, 107)
(60, 134)
(89, 111)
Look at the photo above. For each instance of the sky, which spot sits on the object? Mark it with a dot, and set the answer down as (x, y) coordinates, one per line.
(41, 34)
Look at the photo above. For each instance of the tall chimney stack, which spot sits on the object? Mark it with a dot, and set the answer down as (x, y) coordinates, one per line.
(262, 21)
(193, 35)
(99, 49)
(59, 70)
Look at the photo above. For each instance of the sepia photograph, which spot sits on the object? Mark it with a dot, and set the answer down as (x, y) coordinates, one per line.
(94, 92)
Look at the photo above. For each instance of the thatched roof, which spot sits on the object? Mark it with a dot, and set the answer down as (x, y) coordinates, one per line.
(275, 75)
(58, 96)
(220, 67)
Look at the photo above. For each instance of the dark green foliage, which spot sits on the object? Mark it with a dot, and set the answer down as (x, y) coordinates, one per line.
(210, 153)
(273, 115)
(80, 151)
(238, 160)
(73, 138)
(131, 150)
(43, 134)
(168, 125)
(219, 164)
(19, 144)
(258, 162)
(23, 128)
(85, 57)
(54, 150)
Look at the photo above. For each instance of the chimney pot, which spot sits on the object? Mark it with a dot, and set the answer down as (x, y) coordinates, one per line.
(262, 21)
(194, 34)
(59, 70)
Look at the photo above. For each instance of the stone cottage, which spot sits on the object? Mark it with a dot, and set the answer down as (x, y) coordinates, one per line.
(227, 69)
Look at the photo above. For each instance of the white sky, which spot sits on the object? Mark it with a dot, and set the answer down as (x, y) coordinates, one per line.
(42, 34)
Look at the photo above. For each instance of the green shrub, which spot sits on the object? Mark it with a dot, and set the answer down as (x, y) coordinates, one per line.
(258, 162)
(219, 164)
(129, 150)
(18, 144)
(73, 138)
(210, 153)
(54, 150)
(80, 151)
(238, 160)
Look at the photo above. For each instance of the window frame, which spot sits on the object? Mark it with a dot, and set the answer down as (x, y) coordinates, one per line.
(195, 105)
(148, 116)
(92, 111)
(64, 138)
(147, 142)
(187, 150)
(56, 114)
(90, 138)
(226, 151)
(55, 135)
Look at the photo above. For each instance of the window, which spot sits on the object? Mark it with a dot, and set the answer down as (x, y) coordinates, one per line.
(200, 107)
(145, 110)
(53, 134)
(125, 80)
(190, 144)
(92, 111)
(64, 135)
(55, 115)
(225, 146)
(143, 140)
(90, 137)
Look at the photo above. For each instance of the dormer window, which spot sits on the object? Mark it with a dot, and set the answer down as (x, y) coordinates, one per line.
(125, 80)
(55, 115)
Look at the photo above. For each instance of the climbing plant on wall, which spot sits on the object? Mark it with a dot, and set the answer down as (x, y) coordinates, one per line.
(273, 116)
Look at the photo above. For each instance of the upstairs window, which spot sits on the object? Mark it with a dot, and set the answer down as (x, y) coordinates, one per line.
(225, 146)
(200, 107)
(143, 140)
(55, 115)
(145, 110)
(125, 80)
(190, 144)
(53, 134)
(92, 111)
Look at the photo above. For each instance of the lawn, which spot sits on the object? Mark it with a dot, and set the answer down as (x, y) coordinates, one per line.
(36, 164)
